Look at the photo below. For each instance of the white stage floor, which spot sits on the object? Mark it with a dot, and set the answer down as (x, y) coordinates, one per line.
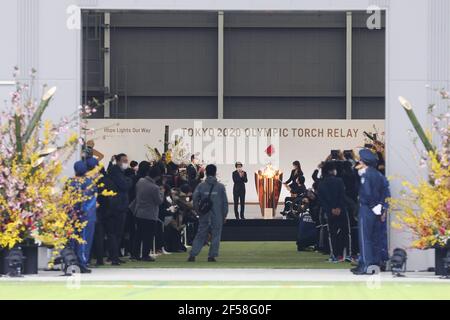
(252, 211)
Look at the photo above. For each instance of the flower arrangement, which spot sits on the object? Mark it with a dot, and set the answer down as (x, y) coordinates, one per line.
(36, 203)
(177, 153)
(425, 206)
(376, 140)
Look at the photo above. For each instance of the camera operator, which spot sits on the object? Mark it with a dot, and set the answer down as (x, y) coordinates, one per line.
(171, 218)
(187, 216)
(344, 163)
(349, 175)
(332, 200)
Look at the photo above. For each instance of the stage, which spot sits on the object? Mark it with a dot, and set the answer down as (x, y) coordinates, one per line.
(255, 228)
(259, 230)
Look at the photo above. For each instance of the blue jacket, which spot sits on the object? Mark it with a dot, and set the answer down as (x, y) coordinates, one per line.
(373, 189)
(87, 208)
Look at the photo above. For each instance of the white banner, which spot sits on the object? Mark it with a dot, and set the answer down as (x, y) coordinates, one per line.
(224, 142)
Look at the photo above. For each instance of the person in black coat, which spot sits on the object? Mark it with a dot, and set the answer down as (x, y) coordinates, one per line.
(295, 173)
(332, 200)
(105, 210)
(173, 175)
(170, 238)
(130, 224)
(116, 222)
(239, 179)
(162, 165)
(194, 173)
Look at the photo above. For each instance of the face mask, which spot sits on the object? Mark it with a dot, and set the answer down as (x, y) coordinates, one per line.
(362, 171)
(124, 166)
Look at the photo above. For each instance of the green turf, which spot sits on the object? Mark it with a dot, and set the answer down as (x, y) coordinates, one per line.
(221, 290)
(279, 255)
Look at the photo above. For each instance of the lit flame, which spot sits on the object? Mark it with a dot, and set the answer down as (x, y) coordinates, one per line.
(270, 172)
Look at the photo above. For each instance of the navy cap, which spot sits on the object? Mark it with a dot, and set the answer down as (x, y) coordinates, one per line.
(91, 163)
(80, 168)
(368, 157)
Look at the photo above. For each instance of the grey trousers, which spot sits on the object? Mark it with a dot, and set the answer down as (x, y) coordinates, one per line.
(208, 224)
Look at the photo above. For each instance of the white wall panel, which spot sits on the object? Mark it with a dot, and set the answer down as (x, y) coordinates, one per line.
(8, 38)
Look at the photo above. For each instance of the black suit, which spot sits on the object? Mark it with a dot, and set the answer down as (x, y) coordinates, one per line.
(116, 222)
(193, 176)
(332, 196)
(104, 214)
(239, 193)
(294, 175)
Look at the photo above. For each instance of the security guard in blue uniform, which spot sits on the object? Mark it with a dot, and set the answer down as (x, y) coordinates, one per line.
(86, 210)
(373, 192)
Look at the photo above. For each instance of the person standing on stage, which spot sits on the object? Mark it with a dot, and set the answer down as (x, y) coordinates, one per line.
(239, 179)
(373, 192)
(213, 192)
(295, 173)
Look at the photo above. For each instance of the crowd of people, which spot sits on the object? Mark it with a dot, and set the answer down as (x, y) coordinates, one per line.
(152, 207)
(343, 214)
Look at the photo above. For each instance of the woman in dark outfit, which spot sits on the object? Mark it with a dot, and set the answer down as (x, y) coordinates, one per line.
(295, 173)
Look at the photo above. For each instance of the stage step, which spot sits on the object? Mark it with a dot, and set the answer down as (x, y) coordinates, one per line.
(260, 230)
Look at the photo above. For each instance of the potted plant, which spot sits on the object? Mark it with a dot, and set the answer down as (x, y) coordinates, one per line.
(35, 202)
(424, 206)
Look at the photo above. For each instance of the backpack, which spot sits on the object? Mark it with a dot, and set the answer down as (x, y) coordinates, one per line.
(205, 205)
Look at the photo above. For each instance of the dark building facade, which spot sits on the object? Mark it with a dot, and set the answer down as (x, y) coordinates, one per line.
(276, 65)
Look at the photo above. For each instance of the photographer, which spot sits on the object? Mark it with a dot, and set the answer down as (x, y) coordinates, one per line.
(187, 216)
(344, 163)
(349, 175)
(169, 235)
(332, 200)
